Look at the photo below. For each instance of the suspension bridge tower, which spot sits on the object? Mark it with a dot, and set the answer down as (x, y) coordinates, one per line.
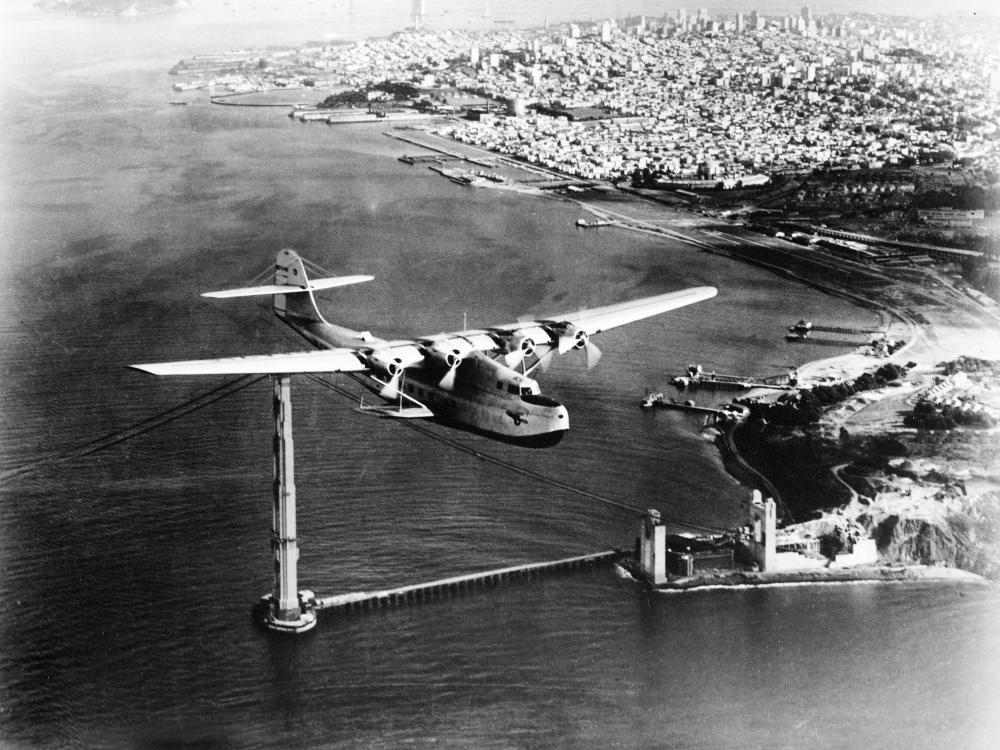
(284, 610)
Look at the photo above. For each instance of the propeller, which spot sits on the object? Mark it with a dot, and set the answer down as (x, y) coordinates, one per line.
(577, 338)
(544, 361)
(391, 389)
(453, 359)
(522, 347)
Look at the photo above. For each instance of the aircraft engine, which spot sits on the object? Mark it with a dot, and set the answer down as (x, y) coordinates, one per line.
(393, 361)
(451, 359)
(524, 343)
(577, 338)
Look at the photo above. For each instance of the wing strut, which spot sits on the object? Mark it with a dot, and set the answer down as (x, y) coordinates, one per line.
(397, 410)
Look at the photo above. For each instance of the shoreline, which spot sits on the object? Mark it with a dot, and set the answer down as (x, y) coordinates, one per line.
(867, 574)
(933, 333)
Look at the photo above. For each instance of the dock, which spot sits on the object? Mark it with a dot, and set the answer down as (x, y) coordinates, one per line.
(439, 150)
(458, 585)
(803, 328)
(725, 413)
(424, 158)
(697, 378)
(796, 339)
(460, 176)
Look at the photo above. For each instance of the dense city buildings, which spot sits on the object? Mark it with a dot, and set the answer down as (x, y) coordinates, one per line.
(694, 97)
(689, 100)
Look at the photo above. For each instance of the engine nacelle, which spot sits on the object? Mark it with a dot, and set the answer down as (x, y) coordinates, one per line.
(523, 343)
(392, 359)
(450, 358)
(463, 343)
(527, 339)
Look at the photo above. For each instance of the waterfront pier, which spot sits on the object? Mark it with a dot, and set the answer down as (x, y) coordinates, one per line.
(697, 378)
(441, 150)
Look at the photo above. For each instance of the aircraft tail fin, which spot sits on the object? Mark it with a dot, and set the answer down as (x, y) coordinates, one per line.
(292, 289)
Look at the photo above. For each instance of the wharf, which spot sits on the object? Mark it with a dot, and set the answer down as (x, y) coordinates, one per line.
(727, 383)
(457, 585)
(793, 338)
(697, 378)
(803, 328)
(840, 329)
(425, 158)
(455, 175)
(441, 150)
(725, 412)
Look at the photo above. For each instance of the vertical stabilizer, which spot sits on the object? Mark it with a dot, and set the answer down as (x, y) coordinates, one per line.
(301, 306)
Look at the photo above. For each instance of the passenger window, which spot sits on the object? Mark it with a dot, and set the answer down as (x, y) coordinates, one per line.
(513, 389)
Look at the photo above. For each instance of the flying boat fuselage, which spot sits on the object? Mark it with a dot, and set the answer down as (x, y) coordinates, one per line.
(487, 396)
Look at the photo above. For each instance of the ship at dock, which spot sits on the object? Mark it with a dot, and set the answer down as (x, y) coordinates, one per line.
(696, 377)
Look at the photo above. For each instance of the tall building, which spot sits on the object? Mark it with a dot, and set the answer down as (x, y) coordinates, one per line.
(806, 13)
(418, 11)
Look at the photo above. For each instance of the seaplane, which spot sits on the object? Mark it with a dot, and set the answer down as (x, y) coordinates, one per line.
(481, 380)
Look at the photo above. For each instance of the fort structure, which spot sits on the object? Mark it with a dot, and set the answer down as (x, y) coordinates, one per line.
(758, 548)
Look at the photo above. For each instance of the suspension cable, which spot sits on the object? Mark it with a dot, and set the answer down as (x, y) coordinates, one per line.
(139, 428)
(515, 468)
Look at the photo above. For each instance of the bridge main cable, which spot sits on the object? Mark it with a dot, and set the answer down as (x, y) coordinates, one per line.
(139, 428)
(458, 445)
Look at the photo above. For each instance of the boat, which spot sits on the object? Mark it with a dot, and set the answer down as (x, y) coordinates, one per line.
(594, 223)
(800, 329)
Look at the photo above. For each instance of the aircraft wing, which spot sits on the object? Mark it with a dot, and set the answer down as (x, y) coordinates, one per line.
(324, 360)
(599, 319)
(573, 330)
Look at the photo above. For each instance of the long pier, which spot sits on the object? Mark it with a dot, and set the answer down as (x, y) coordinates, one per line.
(839, 329)
(457, 585)
(729, 383)
(793, 339)
(441, 150)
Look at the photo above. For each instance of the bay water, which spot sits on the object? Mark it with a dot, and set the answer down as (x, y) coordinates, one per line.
(127, 574)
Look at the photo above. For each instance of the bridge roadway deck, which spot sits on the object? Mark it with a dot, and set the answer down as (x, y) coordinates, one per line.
(458, 584)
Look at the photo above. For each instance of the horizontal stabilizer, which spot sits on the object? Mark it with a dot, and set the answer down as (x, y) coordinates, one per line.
(314, 286)
(325, 360)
